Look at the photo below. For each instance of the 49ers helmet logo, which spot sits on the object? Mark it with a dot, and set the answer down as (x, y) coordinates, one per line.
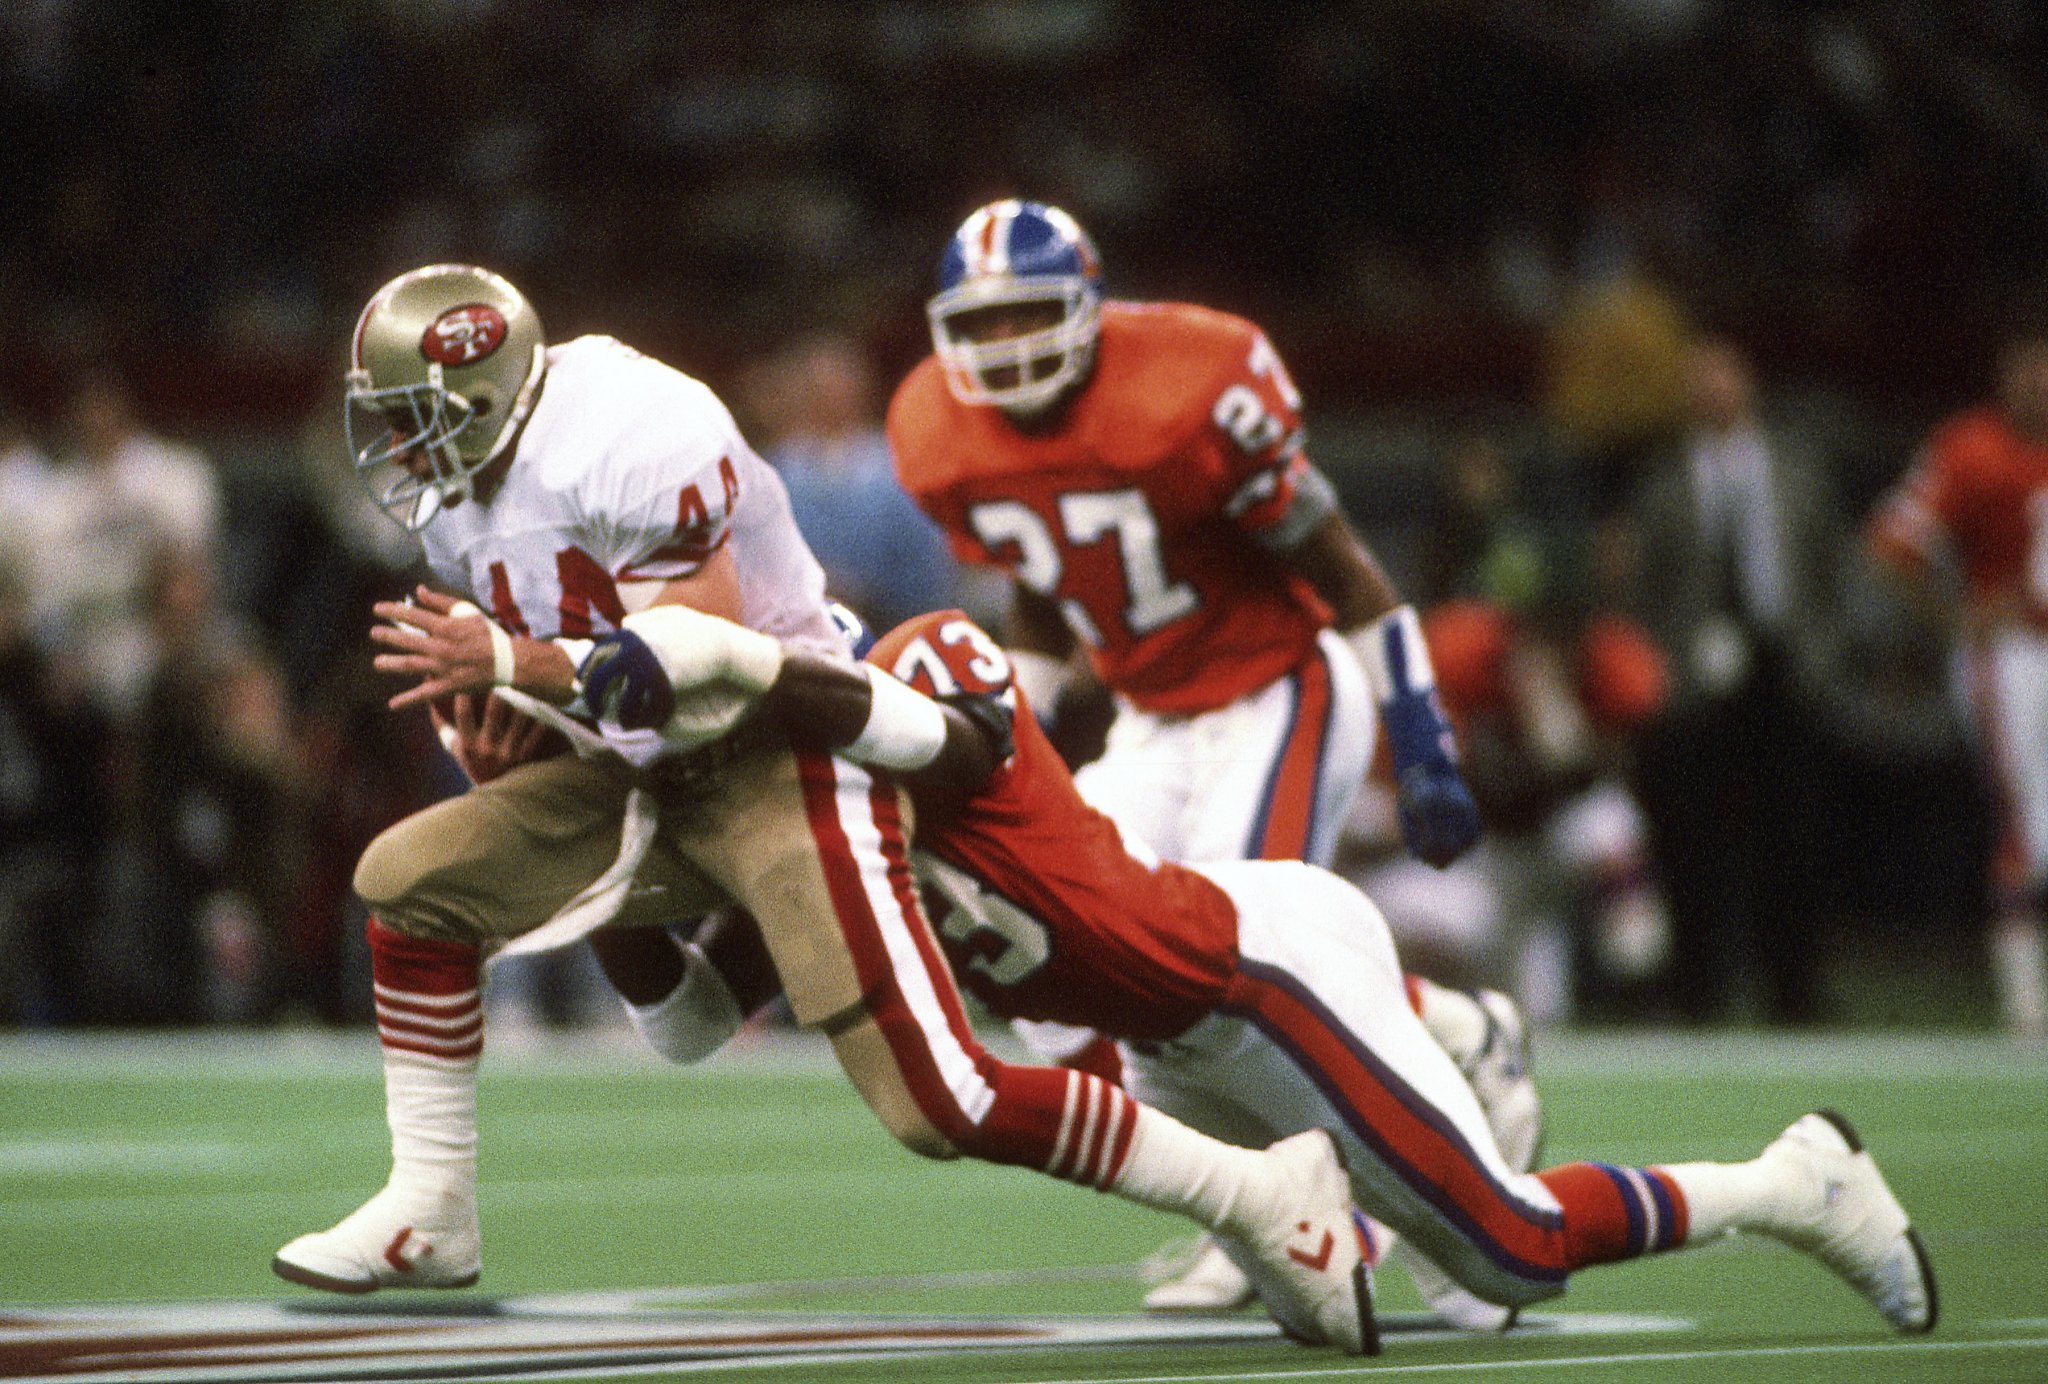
(464, 335)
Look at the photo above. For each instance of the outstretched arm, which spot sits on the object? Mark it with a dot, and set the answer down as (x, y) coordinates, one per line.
(645, 676)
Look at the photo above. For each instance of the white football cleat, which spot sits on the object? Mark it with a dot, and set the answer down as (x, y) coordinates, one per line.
(404, 1237)
(1500, 1076)
(1851, 1221)
(1203, 1280)
(1293, 1237)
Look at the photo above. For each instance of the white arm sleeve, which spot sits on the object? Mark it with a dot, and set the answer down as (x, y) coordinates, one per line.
(696, 649)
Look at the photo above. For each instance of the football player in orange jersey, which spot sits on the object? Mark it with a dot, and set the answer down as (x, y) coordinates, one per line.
(1137, 470)
(1977, 500)
(1257, 999)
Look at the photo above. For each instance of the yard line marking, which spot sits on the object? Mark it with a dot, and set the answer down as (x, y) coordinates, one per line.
(1660, 1357)
(582, 1336)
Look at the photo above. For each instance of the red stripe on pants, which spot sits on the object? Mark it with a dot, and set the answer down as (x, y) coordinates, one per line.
(1446, 1171)
(1595, 1218)
(1291, 806)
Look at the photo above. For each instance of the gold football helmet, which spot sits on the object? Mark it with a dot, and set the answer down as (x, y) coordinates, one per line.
(445, 365)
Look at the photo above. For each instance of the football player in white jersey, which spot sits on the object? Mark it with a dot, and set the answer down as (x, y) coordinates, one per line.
(572, 492)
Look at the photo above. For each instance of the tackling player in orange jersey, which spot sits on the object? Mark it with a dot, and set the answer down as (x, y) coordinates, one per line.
(1977, 498)
(1257, 998)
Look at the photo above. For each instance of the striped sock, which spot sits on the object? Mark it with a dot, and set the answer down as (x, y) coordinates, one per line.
(1098, 1125)
(430, 1023)
(1613, 1213)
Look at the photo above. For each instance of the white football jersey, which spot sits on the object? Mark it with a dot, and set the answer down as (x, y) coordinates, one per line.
(629, 474)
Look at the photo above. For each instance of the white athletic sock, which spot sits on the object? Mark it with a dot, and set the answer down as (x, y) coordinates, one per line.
(430, 1023)
(430, 1104)
(695, 1019)
(1721, 1198)
(1170, 1167)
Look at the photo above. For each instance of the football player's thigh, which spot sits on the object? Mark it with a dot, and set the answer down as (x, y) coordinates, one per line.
(816, 850)
(762, 831)
(1283, 765)
(1197, 1081)
(500, 859)
(1145, 780)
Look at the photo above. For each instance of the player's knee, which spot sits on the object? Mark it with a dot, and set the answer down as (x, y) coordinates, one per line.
(390, 870)
(390, 879)
(871, 1065)
(920, 1136)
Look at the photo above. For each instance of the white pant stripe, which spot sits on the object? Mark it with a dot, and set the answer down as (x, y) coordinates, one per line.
(1639, 1187)
(956, 1067)
(443, 1003)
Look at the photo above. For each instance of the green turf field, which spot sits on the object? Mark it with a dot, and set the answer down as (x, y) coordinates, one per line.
(772, 1209)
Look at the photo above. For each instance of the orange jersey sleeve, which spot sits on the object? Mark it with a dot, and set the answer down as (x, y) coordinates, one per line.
(1042, 911)
(1146, 511)
(1978, 491)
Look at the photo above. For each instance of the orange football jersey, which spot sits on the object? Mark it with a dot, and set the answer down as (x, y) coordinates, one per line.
(1042, 911)
(1139, 511)
(1980, 490)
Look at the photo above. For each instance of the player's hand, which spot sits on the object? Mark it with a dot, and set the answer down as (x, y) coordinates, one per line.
(486, 734)
(1439, 819)
(448, 652)
(623, 682)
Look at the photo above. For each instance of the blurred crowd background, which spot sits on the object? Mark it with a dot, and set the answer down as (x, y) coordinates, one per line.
(1513, 250)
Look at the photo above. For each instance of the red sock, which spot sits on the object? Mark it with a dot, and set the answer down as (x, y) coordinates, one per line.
(1615, 1213)
(429, 994)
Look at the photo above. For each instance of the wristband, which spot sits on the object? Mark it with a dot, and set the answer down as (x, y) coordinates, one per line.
(904, 730)
(1392, 653)
(502, 663)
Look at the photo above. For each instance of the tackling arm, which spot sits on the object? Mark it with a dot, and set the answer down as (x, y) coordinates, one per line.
(637, 676)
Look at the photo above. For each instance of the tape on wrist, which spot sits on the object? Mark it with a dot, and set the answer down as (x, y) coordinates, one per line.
(502, 662)
(904, 729)
(1392, 653)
